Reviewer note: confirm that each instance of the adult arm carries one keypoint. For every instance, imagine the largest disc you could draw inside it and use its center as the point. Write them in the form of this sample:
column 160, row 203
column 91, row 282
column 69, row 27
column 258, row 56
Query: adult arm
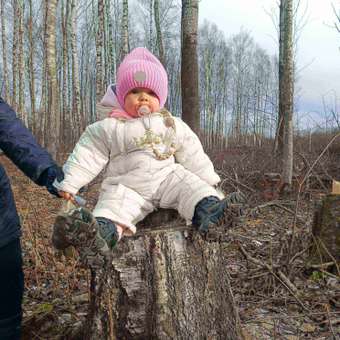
column 20, row 146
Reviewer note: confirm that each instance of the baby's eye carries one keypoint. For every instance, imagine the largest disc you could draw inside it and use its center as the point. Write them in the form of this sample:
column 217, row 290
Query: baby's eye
column 134, row 91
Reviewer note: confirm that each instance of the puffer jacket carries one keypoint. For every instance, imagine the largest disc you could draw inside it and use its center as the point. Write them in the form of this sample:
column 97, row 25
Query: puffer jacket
column 129, row 148
column 19, row 145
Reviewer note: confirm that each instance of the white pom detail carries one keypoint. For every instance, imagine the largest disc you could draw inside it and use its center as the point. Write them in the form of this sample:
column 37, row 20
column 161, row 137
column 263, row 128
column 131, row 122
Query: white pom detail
column 139, row 76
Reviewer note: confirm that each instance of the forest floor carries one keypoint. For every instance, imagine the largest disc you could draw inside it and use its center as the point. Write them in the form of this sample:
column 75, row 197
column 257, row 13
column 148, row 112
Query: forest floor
column 278, row 296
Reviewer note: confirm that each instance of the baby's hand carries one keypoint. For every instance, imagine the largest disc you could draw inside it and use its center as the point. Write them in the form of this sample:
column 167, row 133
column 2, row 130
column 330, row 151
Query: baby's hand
column 67, row 196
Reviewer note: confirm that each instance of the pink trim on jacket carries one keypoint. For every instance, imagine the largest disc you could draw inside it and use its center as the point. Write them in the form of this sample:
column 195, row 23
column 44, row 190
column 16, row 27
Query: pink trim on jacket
column 110, row 99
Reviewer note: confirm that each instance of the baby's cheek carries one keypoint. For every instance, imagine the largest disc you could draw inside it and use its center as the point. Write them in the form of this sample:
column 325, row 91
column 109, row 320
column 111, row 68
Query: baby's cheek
column 155, row 106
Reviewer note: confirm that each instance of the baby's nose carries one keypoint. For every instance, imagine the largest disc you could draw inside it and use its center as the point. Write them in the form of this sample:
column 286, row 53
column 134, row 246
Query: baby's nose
column 143, row 97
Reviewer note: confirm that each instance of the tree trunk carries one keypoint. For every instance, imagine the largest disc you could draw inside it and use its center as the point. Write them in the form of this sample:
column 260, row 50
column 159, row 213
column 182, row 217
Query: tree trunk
column 165, row 283
column 189, row 66
column 326, row 232
column 31, row 72
column 278, row 148
column 78, row 117
column 65, row 123
column 4, row 51
column 159, row 36
column 150, row 42
column 14, row 101
column 53, row 110
column 41, row 123
column 99, row 50
column 287, row 91
column 125, row 30
column 21, row 64
column 108, row 44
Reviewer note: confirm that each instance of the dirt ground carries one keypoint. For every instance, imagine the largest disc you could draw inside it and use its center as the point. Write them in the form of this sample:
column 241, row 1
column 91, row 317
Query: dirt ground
column 279, row 296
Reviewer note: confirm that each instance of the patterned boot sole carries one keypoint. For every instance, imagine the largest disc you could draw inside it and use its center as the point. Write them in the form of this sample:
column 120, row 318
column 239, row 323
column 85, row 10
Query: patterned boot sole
column 78, row 228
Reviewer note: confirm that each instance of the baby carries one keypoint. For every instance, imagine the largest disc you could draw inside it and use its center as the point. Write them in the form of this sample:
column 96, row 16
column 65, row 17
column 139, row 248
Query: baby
column 152, row 159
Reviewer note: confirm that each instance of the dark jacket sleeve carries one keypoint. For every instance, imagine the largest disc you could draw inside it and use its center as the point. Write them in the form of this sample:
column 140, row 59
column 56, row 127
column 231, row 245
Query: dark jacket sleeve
column 20, row 146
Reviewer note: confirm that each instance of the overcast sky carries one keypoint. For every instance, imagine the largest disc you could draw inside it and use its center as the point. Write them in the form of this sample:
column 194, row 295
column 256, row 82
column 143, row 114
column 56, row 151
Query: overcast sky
column 318, row 54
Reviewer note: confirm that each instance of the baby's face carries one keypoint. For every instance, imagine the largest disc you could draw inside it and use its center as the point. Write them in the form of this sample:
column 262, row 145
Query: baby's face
column 138, row 97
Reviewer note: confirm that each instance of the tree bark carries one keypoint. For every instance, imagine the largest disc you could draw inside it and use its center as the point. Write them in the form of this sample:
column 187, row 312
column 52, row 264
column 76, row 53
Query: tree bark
column 33, row 124
column 14, row 101
column 189, row 66
column 41, row 124
column 4, row 51
column 287, row 93
column 281, row 118
column 165, row 283
column 125, row 30
column 159, row 35
column 99, row 51
column 53, row 110
column 326, row 232
column 79, row 121
column 66, row 124
column 21, row 64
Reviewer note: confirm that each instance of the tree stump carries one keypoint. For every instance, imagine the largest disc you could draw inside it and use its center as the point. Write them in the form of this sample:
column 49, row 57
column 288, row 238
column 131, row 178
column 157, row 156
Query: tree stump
column 166, row 282
column 326, row 231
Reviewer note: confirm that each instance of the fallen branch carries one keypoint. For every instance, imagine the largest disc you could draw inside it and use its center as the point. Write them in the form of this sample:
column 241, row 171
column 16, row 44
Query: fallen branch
column 279, row 276
column 239, row 183
column 277, row 204
column 292, row 240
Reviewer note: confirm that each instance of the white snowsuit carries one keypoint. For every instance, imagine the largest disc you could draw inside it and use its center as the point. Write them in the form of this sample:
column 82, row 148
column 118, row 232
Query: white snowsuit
column 135, row 181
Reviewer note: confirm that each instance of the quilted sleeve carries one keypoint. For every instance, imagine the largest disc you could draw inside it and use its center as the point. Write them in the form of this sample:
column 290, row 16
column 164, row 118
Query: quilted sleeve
column 89, row 156
column 191, row 155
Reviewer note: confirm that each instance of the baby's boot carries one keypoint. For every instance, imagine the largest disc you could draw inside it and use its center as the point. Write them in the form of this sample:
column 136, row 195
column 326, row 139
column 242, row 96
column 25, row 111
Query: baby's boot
column 107, row 235
column 211, row 209
column 91, row 236
column 74, row 227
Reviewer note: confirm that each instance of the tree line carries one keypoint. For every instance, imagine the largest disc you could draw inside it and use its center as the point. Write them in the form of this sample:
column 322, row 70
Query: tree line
column 58, row 57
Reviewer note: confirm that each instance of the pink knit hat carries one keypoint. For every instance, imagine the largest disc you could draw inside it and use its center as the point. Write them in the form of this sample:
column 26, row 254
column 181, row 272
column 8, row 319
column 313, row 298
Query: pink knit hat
column 140, row 68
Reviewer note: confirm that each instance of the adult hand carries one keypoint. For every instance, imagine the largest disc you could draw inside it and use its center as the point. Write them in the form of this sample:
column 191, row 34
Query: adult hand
column 47, row 178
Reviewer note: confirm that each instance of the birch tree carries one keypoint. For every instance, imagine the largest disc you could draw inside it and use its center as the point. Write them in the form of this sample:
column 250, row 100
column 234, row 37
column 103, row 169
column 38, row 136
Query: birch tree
column 100, row 51
column 286, row 88
column 4, row 51
column 189, row 66
column 14, row 101
column 109, row 44
column 31, row 73
column 65, row 112
column 160, row 44
column 237, row 79
column 21, row 65
column 43, row 101
column 125, row 30
column 242, row 45
column 53, row 111
column 78, row 119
